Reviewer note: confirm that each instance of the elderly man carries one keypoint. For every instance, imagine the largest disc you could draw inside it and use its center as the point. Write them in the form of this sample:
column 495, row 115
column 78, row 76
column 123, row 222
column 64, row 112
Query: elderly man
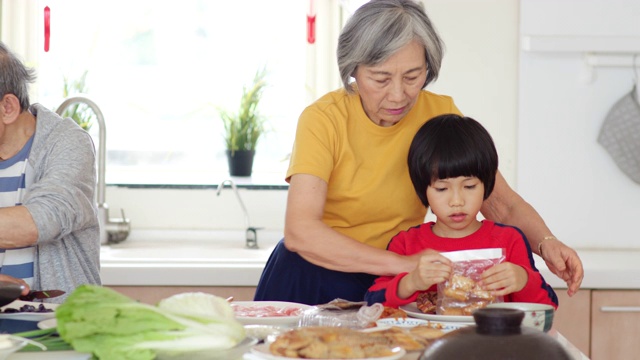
column 49, row 230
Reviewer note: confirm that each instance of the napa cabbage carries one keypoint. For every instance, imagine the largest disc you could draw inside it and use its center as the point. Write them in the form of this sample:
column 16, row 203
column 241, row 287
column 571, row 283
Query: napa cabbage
column 110, row 325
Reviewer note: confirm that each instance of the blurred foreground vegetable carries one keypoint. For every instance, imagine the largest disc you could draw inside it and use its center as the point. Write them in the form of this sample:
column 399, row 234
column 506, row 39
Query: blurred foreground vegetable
column 110, row 325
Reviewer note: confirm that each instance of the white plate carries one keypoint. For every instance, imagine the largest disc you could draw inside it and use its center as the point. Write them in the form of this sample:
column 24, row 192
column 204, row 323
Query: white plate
column 262, row 351
column 413, row 311
column 236, row 352
column 409, row 323
column 31, row 316
column 271, row 320
column 48, row 324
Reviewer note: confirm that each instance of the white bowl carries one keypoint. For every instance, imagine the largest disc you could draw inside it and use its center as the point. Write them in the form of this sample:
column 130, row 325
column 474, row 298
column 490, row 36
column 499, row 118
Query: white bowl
column 10, row 344
column 537, row 316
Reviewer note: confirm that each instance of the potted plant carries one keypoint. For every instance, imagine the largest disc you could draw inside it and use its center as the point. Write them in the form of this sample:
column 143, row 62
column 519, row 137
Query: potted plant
column 243, row 129
column 80, row 113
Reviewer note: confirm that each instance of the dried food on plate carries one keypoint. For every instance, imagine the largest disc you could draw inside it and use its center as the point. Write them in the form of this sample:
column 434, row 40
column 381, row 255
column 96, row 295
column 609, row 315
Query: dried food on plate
column 427, row 332
column 394, row 313
column 341, row 304
column 325, row 342
column 426, row 302
column 396, row 336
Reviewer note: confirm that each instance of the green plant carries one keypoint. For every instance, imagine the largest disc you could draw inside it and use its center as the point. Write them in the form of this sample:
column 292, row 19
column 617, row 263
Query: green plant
column 79, row 112
column 242, row 129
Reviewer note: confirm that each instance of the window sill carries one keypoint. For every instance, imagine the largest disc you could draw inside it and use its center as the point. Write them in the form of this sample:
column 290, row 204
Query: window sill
column 180, row 179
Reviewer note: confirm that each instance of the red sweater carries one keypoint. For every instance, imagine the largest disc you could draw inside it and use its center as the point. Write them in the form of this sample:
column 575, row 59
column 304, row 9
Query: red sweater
column 490, row 235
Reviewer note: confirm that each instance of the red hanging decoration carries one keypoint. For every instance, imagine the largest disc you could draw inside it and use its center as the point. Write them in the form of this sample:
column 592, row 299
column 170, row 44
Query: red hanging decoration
column 311, row 29
column 47, row 27
column 311, row 24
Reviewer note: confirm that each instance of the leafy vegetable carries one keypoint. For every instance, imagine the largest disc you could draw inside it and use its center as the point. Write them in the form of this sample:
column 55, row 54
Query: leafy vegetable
column 47, row 338
column 110, row 325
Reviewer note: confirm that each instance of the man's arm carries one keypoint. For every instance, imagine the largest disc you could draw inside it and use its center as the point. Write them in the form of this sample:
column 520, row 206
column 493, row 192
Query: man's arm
column 17, row 228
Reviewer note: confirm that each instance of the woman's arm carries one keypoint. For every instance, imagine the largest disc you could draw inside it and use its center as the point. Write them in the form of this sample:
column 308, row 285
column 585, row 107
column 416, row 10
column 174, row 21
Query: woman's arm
column 507, row 207
column 306, row 234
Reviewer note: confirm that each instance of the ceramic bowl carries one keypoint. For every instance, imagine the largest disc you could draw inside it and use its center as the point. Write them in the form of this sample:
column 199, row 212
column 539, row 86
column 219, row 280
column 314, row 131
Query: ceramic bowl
column 401, row 322
column 538, row 316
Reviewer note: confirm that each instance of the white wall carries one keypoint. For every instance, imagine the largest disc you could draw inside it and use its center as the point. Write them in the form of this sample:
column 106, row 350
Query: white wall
column 562, row 170
column 480, row 66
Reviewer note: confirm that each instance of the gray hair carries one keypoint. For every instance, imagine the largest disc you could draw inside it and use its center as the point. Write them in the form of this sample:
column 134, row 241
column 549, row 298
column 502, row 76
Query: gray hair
column 380, row 28
column 15, row 77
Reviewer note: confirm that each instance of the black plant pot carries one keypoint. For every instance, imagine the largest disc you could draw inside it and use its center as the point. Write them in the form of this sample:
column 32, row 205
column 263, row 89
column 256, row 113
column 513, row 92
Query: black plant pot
column 240, row 162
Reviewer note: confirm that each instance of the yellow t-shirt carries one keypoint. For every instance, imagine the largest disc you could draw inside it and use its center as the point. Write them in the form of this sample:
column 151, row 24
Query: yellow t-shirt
column 370, row 197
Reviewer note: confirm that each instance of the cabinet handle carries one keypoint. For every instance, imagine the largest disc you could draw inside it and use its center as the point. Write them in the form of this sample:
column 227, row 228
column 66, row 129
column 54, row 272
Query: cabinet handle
column 620, row 308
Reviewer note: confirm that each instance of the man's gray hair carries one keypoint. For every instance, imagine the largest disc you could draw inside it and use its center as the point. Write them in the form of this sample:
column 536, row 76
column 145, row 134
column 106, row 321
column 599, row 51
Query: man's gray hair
column 379, row 28
column 14, row 77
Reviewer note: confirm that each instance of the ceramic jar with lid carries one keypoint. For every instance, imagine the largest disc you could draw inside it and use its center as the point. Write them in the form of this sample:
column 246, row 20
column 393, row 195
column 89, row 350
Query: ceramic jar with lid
column 497, row 335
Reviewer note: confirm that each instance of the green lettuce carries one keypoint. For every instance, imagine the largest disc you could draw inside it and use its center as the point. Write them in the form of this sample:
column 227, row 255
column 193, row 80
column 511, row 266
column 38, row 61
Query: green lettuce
column 110, row 325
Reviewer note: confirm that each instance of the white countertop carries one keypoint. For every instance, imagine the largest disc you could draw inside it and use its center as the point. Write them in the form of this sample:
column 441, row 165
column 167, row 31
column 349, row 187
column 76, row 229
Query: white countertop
column 164, row 258
column 603, row 269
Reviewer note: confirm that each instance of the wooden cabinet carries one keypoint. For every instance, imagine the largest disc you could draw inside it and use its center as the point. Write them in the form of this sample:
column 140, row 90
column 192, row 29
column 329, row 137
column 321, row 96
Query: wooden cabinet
column 603, row 324
column 153, row 294
column 572, row 319
column 615, row 324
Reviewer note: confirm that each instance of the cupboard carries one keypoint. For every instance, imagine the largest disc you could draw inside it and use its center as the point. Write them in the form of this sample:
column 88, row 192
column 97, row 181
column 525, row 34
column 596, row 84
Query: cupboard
column 603, row 324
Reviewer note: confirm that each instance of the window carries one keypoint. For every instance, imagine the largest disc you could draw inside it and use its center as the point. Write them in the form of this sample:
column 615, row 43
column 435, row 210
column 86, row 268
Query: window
column 160, row 70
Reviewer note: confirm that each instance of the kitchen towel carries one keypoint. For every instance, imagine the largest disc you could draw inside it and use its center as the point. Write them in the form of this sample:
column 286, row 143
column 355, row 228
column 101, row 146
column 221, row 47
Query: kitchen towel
column 620, row 135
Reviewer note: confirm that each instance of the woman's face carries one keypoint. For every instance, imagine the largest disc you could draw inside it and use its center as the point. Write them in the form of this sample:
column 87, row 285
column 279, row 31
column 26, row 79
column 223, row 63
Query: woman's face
column 389, row 90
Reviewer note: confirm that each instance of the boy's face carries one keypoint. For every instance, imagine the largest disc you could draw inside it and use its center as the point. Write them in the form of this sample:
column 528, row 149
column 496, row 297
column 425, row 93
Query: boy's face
column 456, row 202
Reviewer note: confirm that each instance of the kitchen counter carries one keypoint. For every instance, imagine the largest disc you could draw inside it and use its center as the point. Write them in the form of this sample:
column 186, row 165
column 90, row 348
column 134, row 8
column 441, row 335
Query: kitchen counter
column 219, row 258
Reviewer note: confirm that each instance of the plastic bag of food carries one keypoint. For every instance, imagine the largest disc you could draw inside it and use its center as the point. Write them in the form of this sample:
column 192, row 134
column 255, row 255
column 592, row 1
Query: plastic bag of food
column 342, row 313
column 461, row 295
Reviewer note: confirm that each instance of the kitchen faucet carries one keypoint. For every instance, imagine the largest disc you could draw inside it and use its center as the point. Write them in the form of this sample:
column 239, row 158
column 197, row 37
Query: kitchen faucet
column 112, row 230
column 251, row 240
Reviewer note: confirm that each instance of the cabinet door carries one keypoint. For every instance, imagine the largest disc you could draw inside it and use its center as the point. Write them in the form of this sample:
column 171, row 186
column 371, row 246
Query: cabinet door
column 615, row 317
column 572, row 319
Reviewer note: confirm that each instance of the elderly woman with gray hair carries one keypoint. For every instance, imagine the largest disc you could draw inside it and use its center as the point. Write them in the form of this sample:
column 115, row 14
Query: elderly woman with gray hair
column 350, row 190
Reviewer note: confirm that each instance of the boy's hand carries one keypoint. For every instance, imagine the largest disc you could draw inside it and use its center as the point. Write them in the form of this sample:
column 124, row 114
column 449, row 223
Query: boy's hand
column 504, row 279
column 432, row 268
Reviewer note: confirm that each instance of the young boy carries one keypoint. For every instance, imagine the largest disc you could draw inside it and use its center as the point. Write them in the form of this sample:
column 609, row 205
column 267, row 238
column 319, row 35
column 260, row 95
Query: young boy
column 453, row 164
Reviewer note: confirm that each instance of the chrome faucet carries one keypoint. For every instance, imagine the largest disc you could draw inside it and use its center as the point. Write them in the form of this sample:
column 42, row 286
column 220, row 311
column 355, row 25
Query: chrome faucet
column 112, row 230
column 251, row 240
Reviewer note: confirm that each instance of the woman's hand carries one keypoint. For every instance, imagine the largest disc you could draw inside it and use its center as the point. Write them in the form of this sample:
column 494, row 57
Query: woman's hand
column 11, row 279
column 432, row 268
column 564, row 262
column 503, row 279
